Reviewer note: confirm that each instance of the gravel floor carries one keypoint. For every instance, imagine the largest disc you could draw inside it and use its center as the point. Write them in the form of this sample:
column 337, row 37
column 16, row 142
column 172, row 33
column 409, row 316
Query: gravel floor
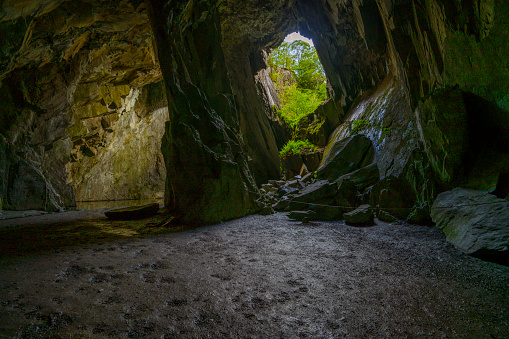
column 258, row 277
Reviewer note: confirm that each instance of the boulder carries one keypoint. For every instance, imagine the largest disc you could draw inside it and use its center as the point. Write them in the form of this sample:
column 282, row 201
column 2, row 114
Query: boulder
column 300, row 215
column 308, row 178
column 326, row 212
column 296, row 183
column 346, row 194
column 319, row 191
column 474, row 221
column 277, row 183
column 282, row 204
column 345, row 156
column 312, row 160
column 284, row 190
column 394, row 199
column 268, row 188
column 363, row 215
column 267, row 210
column 363, row 177
column 292, row 164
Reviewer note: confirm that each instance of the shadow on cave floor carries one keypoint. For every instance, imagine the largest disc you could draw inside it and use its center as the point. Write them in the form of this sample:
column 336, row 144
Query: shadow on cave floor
column 50, row 232
column 257, row 277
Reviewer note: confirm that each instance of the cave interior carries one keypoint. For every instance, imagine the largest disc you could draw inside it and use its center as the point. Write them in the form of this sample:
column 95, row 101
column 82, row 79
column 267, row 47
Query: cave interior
column 172, row 100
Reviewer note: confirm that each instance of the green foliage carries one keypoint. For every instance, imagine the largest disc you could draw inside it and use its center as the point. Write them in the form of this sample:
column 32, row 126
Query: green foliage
column 297, row 147
column 302, row 59
column 298, row 103
column 359, row 124
column 301, row 97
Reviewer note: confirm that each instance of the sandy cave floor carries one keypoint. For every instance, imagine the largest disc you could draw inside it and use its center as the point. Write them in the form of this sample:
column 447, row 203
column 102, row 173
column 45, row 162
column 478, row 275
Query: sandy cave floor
column 259, row 277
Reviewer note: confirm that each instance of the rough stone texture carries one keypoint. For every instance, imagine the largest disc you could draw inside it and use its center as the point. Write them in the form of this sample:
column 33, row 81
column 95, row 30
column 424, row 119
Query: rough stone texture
column 328, row 213
column 130, row 164
column 385, row 60
column 474, row 221
column 346, row 195
column 301, row 215
column 385, row 117
column 394, row 198
column 209, row 178
column 363, row 177
column 316, row 192
column 266, row 90
column 52, row 50
column 361, row 216
column 345, row 156
column 443, row 129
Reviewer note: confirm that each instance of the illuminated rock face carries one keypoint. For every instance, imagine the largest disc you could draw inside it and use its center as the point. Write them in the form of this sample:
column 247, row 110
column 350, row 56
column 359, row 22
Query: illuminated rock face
column 68, row 69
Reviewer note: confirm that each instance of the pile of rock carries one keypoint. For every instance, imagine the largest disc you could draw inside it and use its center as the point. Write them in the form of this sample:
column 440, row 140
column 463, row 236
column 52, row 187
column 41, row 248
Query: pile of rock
column 343, row 187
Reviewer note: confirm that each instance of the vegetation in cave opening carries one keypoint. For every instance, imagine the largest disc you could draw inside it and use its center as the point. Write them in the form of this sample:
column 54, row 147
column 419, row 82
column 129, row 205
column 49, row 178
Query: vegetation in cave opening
column 300, row 82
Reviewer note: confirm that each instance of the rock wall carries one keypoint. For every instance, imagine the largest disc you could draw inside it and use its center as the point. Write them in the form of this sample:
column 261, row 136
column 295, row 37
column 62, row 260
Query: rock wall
column 126, row 161
column 432, row 120
column 65, row 66
column 409, row 69
column 209, row 178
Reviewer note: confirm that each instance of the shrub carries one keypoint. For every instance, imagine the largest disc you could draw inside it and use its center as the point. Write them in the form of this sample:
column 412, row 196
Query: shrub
column 297, row 147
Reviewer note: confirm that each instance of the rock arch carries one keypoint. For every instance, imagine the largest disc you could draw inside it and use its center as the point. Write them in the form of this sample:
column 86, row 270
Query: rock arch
column 386, row 60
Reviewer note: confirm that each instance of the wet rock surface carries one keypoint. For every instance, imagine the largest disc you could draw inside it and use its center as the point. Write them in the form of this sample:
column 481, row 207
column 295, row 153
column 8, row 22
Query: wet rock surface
column 258, row 277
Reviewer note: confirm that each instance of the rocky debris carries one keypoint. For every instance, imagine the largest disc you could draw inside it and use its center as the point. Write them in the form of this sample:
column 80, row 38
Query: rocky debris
column 282, row 204
column 301, row 215
column 277, row 183
column 316, row 192
column 312, row 160
column 345, row 156
column 326, row 212
column 301, row 164
column 362, row 216
column 347, row 194
column 474, row 221
column 296, row 183
column 267, row 210
column 268, row 188
column 363, row 177
column 285, row 190
column 393, row 198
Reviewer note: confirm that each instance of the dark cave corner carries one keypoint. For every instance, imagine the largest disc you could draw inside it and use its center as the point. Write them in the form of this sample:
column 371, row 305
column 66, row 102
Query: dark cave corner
column 145, row 99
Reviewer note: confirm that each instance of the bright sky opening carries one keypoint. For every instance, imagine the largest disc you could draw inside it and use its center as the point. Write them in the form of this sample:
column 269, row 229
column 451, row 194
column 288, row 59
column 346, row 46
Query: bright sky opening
column 296, row 36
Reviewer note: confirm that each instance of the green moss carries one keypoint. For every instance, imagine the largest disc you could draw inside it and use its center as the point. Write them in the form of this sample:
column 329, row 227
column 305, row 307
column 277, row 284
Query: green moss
column 358, row 125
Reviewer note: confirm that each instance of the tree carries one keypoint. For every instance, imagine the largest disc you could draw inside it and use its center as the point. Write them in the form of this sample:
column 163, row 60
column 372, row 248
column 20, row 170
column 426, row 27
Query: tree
column 301, row 97
column 302, row 59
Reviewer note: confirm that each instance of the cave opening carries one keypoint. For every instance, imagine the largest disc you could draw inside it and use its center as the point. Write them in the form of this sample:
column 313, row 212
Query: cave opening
column 301, row 86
